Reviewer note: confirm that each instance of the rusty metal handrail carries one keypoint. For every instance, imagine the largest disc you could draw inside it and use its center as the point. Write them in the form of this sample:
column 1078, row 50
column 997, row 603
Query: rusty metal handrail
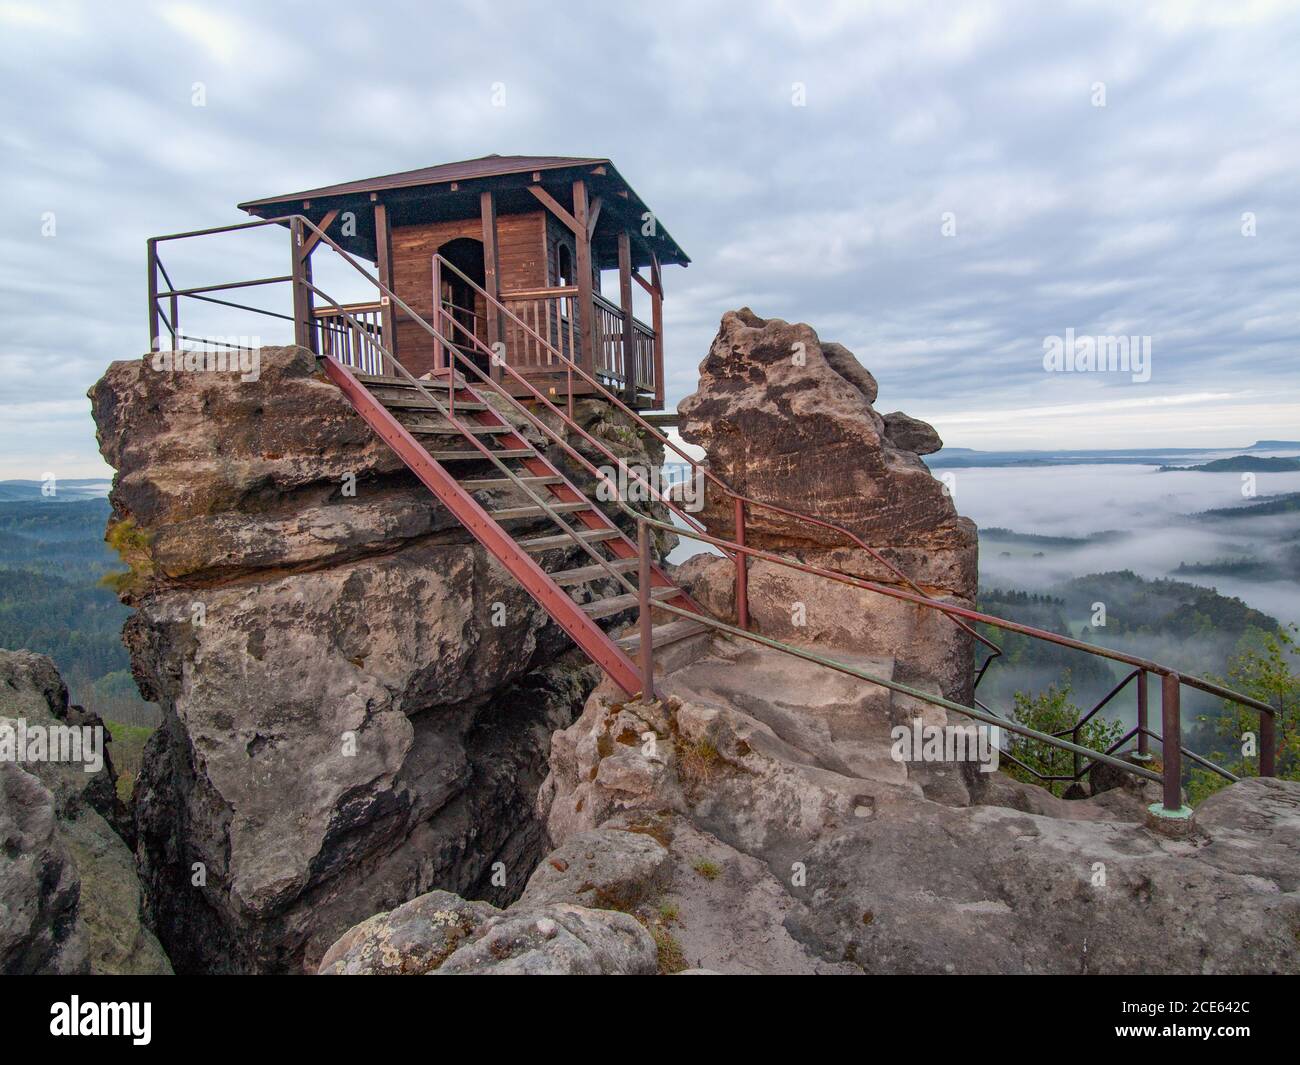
column 1171, row 680
column 1169, row 778
column 739, row 500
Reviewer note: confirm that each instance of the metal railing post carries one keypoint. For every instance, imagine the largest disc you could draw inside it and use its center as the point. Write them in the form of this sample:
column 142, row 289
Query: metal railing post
column 645, row 623
column 742, row 568
column 154, row 339
column 1268, row 742
column 1171, row 739
column 1144, row 739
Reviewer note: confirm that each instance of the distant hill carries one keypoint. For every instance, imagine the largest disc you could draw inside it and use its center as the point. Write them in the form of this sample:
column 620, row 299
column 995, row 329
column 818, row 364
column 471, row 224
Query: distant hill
column 64, row 491
column 961, row 457
column 1280, row 504
column 1239, row 464
column 52, row 558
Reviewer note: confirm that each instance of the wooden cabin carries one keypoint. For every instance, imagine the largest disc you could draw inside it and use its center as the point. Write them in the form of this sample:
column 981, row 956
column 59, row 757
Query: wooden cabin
column 536, row 232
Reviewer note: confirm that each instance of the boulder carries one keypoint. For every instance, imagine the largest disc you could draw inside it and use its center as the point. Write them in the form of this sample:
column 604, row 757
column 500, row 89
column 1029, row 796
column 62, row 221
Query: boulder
column 911, row 434
column 442, row 934
column 788, row 420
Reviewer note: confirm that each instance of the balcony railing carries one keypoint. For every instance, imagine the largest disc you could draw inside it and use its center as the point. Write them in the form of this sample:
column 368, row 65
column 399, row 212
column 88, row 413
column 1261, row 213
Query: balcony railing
column 353, row 334
column 552, row 313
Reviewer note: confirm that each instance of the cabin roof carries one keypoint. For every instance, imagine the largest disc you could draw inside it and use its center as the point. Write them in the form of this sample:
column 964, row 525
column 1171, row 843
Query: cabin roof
column 618, row 196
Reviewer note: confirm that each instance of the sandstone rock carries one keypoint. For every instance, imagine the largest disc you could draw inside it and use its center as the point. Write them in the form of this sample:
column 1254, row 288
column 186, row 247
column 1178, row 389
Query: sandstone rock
column 442, row 934
column 604, row 869
column 556, row 940
column 863, row 871
column 40, row 888
column 87, row 862
column 346, row 722
column 788, row 420
column 911, row 434
column 411, row 940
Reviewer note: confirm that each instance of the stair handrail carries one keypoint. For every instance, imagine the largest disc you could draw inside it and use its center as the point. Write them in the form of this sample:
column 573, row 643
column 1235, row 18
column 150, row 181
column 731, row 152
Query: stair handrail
column 919, row 597
column 1172, row 680
column 981, row 711
column 447, row 412
column 695, row 464
column 1170, row 775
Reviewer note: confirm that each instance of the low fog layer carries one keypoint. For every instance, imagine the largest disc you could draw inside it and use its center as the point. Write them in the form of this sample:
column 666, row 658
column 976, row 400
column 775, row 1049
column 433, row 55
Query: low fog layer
column 1154, row 508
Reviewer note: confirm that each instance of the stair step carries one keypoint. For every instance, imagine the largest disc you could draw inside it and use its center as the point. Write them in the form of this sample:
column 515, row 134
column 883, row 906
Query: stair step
column 415, row 401
column 446, row 429
column 534, row 511
column 420, row 403
column 484, row 484
column 550, row 543
column 616, row 604
column 373, row 381
column 595, row 571
column 506, row 453
column 664, row 635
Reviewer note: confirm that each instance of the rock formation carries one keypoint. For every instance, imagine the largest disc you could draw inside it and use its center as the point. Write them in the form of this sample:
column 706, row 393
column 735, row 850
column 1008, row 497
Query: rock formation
column 360, row 772
column 70, row 900
column 824, row 851
column 788, row 419
column 357, row 699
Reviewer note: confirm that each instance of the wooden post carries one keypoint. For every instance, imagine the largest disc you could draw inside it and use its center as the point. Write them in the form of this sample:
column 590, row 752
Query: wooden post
column 657, row 321
column 625, row 302
column 586, row 308
column 384, row 263
column 439, row 353
column 154, row 339
column 488, row 209
column 301, row 273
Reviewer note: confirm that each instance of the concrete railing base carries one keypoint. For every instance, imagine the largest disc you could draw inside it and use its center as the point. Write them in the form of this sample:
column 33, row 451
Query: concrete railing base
column 1177, row 824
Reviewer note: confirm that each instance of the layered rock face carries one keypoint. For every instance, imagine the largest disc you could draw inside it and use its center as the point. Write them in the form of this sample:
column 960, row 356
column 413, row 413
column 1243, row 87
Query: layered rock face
column 357, row 699
column 788, row 419
column 70, row 900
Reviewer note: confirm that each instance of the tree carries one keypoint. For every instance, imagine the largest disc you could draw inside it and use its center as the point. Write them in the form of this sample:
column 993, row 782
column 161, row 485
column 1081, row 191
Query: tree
column 1265, row 668
column 1051, row 711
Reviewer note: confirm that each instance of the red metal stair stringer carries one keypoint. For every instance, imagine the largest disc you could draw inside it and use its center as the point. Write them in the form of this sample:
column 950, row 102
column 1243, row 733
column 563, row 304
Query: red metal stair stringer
column 584, row 631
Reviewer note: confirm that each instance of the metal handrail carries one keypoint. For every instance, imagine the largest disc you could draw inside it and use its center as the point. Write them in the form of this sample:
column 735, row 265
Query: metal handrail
column 736, row 496
column 978, row 712
column 1171, row 679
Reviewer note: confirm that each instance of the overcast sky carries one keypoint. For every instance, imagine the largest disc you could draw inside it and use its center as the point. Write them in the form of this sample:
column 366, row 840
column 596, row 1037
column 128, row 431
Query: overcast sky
column 805, row 155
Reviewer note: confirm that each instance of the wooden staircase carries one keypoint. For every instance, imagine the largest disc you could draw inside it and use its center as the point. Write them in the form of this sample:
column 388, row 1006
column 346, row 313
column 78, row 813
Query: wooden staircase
column 487, row 473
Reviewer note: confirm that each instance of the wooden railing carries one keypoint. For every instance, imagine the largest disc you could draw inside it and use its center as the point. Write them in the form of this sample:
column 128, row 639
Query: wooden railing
column 352, row 334
column 553, row 335
column 551, row 313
